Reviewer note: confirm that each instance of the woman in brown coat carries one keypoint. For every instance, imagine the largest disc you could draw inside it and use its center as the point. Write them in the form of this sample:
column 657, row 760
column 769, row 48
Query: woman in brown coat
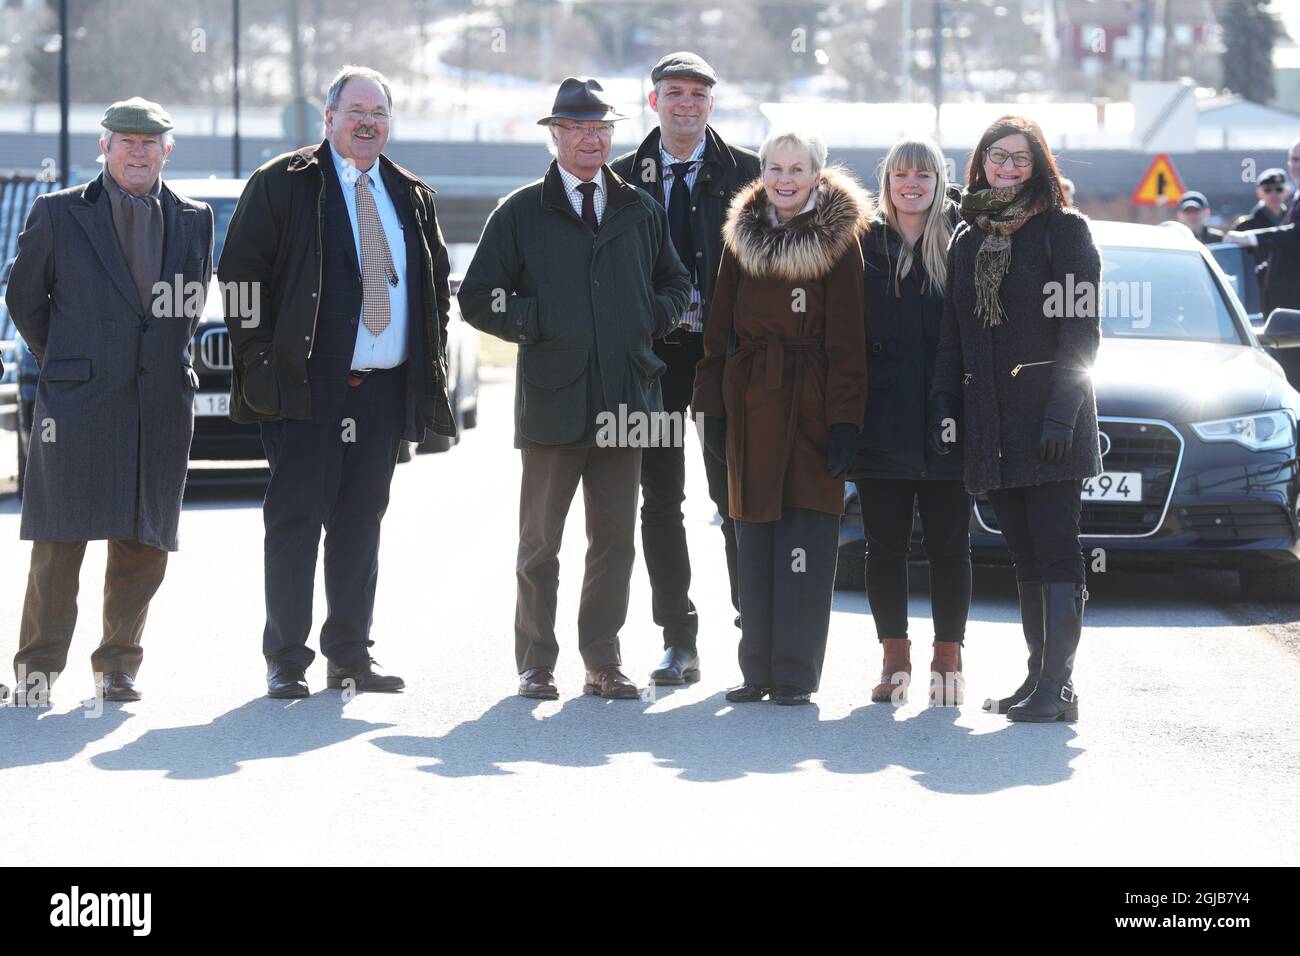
column 781, row 389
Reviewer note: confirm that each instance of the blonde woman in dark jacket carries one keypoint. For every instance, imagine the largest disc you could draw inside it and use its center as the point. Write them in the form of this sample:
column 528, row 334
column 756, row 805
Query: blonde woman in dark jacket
column 905, row 253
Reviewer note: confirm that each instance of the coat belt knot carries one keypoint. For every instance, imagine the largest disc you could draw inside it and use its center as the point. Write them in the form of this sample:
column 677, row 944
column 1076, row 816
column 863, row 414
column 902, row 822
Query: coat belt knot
column 776, row 347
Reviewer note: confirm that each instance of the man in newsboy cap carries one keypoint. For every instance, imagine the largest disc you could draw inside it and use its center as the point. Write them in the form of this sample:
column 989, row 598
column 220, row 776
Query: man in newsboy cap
column 115, row 402
column 577, row 269
column 685, row 166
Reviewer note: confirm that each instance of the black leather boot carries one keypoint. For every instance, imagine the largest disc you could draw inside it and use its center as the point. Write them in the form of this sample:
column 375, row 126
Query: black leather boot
column 1054, row 698
column 1031, row 620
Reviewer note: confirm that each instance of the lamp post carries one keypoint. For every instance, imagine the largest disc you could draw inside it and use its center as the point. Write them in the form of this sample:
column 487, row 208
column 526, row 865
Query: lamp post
column 235, row 85
column 64, row 151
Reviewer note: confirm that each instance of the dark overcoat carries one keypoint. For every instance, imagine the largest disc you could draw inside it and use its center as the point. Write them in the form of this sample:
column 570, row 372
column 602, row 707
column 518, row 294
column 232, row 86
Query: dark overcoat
column 114, row 411
column 583, row 307
column 1003, row 377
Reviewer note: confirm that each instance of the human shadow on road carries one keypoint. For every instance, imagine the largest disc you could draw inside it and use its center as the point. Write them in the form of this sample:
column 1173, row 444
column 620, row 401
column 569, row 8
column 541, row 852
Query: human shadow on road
column 259, row 730
column 30, row 736
column 711, row 740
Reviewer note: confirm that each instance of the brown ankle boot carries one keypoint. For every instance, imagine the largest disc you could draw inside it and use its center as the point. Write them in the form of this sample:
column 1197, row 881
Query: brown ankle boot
column 947, row 685
column 895, row 674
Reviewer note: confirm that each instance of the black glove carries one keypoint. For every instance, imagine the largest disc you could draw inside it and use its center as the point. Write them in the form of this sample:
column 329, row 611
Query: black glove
column 939, row 415
column 843, row 446
column 1054, row 445
column 715, row 436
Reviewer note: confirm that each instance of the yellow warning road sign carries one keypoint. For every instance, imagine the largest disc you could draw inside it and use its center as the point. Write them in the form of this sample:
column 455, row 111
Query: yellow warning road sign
column 1160, row 184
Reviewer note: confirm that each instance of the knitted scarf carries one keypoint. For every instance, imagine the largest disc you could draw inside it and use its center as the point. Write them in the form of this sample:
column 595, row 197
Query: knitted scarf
column 999, row 212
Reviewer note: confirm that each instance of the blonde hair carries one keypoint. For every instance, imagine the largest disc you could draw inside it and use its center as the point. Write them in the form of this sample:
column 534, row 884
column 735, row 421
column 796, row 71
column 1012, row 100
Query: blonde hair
column 793, row 137
column 924, row 154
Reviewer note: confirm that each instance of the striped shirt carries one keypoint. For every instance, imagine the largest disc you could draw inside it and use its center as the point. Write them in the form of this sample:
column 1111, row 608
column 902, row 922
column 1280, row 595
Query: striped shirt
column 693, row 317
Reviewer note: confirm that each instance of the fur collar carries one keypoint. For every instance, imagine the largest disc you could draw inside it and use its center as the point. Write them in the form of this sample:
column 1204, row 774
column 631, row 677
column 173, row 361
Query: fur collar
column 808, row 246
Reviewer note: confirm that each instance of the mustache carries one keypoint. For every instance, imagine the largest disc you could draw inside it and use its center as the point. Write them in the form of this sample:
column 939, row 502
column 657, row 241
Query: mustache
column 373, row 130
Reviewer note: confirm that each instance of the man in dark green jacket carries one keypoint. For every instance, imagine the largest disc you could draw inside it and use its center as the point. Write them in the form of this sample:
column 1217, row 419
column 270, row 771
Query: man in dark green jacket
column 578, row 269
column 711, row 173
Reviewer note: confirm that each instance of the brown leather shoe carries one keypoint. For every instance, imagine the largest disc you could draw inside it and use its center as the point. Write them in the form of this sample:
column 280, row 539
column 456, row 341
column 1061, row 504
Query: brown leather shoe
column 539, row 684
column 895, row 673
column 947, row 685
column 609, row 681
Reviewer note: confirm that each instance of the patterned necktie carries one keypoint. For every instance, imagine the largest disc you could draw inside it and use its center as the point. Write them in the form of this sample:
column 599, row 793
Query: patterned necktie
column 377, row 272
column 588, row 191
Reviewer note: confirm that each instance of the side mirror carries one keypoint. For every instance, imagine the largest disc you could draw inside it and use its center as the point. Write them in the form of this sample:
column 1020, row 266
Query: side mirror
column 1282, row 330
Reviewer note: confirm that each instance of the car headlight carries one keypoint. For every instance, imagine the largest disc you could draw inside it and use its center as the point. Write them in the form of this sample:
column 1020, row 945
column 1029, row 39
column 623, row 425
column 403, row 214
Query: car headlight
column 1264, row 431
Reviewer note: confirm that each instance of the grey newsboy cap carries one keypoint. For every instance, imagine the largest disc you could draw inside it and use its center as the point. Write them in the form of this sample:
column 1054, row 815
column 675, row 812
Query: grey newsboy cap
column 686, row 64
column 136, row 115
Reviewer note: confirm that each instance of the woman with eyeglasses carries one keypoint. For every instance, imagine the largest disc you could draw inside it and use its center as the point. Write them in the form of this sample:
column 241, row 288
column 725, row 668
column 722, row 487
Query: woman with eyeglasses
column 905, row 253
column 1012, row 389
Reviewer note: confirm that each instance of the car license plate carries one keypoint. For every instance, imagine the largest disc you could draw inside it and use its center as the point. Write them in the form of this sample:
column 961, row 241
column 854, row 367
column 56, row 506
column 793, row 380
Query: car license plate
column 1118, row 486
column 212, row 403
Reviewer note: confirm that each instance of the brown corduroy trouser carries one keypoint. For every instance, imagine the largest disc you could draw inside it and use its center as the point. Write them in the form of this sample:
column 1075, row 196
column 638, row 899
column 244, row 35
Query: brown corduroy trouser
column 611, row 481
column 134, row 573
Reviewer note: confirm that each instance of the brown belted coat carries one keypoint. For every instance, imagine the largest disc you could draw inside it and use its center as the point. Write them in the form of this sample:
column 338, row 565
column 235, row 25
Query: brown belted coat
column 785, row 348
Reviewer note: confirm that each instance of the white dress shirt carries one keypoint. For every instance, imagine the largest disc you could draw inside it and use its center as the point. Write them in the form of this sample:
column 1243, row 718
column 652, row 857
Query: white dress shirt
column 388, row 348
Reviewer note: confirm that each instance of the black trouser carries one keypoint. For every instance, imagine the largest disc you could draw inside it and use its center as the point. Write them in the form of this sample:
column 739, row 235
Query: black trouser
column 787, row 581
column 945, row 526
column 1041, row 527
column 331, row 475
column 663, row 489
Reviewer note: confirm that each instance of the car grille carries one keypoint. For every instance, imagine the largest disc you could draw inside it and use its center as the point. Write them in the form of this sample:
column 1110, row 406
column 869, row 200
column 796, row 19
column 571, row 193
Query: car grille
column 1236, row 522
column 1151, row 447
column 214, row 350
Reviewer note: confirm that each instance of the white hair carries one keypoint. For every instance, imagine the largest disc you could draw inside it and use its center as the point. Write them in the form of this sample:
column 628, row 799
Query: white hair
column 353, row 72
column 792, row 137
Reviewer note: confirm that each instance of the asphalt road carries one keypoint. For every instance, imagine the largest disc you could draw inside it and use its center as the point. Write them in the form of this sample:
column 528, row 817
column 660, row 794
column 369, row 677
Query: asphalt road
column 1186, row 752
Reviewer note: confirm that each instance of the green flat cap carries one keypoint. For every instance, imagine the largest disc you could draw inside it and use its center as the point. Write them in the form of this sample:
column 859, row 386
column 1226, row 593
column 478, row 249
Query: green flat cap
column 136, row 115
column 683, row 63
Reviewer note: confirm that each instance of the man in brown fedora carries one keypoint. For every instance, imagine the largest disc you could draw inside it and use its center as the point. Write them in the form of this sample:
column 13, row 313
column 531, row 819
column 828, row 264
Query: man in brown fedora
column 92, row 291
column 578, row 269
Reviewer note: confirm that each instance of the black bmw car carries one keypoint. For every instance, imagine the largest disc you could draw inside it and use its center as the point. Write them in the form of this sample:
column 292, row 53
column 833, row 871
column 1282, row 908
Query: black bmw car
column 1198, row 426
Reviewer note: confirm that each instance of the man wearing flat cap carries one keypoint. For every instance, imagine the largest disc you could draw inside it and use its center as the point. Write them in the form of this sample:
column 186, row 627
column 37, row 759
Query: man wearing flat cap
column 578, row 269
column 350, row 359
column 685, row 166
column 1193, row 212
column 92, row 291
